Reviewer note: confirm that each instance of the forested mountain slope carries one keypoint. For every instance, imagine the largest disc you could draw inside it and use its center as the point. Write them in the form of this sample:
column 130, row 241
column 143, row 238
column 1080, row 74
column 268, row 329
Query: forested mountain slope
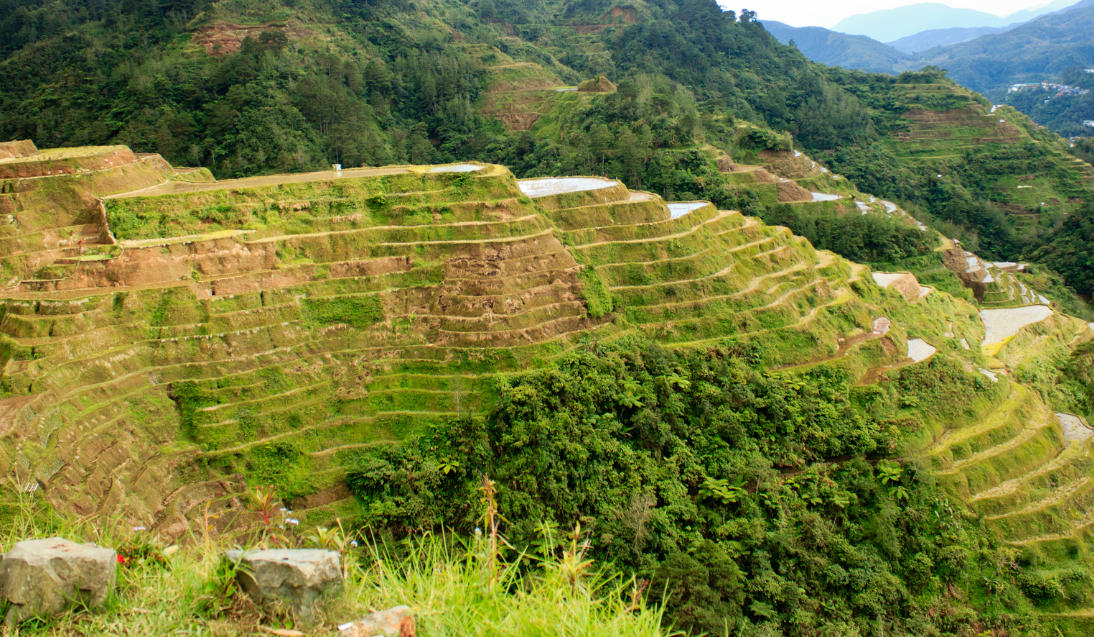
column 932, row 38
column 161, row 80
column 990, row 171
column 1052, row 48
column 832, row 48
column 375, row 84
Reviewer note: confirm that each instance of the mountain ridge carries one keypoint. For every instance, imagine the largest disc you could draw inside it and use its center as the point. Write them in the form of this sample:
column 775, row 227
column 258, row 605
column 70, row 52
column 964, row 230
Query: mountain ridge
column 890, row 25
column 829, row 47
column 932, row 38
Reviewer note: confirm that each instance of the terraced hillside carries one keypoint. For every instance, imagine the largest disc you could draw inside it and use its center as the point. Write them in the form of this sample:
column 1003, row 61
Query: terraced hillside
column 518, row 93
column 947, row 134
column 1026, row 472
column 274, row 329
column 1026, row 182
column 1004, row 183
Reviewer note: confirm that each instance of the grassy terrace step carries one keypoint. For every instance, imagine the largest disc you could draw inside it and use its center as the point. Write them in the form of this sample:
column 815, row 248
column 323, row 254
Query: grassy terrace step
column 1073, row 463
column 1042, row 500
column 649, row 252
column 713, row 322
column 1059, row 515
column 407, row 199
column 90, row 370
column 638, row 208
column 471, row 231
column 730, row 296
column 672, row 271
column 811, row 340
column 1017, row 439
column 680, row 227
column 1004, row 423
column 664, row 229
column 1033, row 447
column 66, row 161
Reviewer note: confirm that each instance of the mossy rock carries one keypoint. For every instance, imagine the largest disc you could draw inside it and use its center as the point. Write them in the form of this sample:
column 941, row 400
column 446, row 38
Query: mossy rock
column 597, row 85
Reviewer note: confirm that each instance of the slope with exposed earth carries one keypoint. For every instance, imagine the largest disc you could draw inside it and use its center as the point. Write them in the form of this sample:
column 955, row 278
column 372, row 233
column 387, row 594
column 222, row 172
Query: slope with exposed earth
column 276, row 328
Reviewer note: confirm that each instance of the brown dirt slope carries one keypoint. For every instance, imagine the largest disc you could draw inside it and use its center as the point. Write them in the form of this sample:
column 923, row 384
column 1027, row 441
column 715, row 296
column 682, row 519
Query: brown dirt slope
column 15, row 149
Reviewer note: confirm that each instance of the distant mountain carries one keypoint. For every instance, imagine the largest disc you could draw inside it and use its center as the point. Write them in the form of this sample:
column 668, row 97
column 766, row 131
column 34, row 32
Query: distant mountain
column 888, row 25
column 1037, row 50
column 1056, row 6
column 1032, row 52
column 856, row 52
column 941, row 37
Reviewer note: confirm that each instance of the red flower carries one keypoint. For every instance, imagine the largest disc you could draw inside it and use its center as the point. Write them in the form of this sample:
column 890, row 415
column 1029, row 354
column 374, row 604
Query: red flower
column 121, row 560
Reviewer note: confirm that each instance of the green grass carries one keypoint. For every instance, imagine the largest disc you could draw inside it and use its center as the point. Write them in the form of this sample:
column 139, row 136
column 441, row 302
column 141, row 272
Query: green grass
column 456, row 587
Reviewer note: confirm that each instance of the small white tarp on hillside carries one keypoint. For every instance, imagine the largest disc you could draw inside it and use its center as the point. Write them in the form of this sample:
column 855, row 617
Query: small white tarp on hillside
column 681, row 209
column 456, row 168
column 920, row 350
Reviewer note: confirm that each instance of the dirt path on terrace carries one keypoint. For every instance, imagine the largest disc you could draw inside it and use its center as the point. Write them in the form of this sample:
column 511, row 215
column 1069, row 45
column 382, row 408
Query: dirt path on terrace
column 722, row 214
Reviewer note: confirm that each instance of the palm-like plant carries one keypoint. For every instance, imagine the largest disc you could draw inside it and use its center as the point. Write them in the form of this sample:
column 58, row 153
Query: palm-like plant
column 722, row 490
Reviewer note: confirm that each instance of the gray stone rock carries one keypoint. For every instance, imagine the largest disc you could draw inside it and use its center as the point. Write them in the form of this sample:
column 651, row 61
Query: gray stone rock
column 293, row 578
column 394, row 622
column 44, row 577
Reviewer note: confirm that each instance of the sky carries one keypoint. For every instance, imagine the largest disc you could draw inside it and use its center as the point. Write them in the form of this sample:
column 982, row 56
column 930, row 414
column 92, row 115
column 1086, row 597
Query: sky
column 811, row 13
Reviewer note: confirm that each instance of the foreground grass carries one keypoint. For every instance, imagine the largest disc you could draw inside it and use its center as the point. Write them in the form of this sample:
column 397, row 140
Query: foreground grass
column 455, row 588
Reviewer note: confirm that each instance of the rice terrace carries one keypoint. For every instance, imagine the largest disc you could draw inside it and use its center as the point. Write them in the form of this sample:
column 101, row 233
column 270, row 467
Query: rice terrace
column 497, row 318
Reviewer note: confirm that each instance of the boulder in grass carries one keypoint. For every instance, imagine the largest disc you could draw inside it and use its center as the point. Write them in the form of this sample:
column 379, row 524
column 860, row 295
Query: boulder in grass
column 394, row 622
column 40, row 578
column 599, row 84
column 291, row 578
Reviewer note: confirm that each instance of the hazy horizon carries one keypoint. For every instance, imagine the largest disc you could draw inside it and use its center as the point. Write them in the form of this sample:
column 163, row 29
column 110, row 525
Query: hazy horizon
column 802, row 13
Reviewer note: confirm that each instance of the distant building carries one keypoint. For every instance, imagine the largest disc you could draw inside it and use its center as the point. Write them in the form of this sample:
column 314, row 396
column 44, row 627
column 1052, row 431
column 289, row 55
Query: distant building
column 1061, row 89
column 1088, row 122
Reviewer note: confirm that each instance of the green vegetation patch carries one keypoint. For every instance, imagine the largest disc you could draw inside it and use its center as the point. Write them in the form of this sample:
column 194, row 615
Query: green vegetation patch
column 355, row 311
column 708, row 475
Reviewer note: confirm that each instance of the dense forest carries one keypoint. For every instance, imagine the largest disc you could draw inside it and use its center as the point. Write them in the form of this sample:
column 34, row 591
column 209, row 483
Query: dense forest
column 394, row 90
column 775, row 510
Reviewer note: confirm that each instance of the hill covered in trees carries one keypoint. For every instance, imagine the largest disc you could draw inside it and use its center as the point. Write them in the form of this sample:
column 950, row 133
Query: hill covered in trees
column 404, row 77
column 832, row 48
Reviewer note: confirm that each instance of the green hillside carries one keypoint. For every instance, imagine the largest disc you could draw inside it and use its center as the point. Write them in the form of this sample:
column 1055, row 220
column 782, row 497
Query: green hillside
column 332, row 334
column 203, row 336
column 1051, row 48
column 986, row 175
column 833, row 48
column 1037, row 51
